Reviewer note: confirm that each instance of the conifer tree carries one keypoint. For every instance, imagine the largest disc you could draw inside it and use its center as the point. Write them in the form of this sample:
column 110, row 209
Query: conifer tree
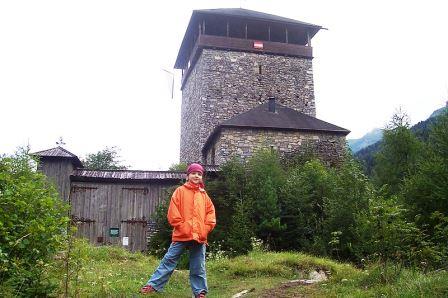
column 398, row 155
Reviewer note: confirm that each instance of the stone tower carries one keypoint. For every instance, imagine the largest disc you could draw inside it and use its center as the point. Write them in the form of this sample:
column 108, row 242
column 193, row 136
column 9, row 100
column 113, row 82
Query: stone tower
column 232, row 61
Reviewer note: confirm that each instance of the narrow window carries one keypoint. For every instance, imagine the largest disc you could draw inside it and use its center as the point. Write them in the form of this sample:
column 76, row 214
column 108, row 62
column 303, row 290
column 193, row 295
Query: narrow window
column 213, row 156
column 259, row 68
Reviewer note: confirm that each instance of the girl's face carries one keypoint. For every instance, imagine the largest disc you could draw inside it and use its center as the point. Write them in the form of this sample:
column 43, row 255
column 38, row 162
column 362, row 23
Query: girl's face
column 195, row 177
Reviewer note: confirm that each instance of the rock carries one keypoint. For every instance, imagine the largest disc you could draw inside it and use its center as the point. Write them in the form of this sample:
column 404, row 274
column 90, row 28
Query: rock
column 318, row 275
column 242, row 293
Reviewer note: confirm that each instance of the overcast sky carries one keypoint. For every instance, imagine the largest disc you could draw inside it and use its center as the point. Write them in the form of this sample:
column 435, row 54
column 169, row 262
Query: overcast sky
column 92, row 72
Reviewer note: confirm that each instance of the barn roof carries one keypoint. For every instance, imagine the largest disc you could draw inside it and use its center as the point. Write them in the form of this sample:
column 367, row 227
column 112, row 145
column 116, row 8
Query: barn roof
column 128, row 175
column 86, row 174
column 59, row 152
column 283, row 118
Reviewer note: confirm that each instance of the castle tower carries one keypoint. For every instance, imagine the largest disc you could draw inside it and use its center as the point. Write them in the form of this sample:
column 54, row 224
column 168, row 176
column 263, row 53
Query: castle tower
column 232, row 61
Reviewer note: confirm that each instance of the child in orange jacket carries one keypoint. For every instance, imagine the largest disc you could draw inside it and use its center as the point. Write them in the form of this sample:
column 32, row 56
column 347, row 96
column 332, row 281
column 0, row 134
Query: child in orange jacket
column 192, row 215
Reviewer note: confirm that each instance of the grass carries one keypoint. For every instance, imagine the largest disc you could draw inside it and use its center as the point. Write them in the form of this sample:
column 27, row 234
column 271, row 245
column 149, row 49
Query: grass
column 114, row 272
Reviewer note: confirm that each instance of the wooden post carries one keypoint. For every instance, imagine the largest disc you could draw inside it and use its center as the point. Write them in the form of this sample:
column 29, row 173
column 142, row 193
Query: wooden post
column 203, row 26
column 246, row 31
column 269, row 32
column 308, row 38
column 286, row 32
column 227, row 28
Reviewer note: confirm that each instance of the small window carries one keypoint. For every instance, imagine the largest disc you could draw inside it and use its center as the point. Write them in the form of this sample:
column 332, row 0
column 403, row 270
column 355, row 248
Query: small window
column 259, row 68
column 212, row 157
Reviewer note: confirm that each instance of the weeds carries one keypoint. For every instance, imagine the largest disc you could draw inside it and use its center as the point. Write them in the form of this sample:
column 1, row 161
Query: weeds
column 114, row 272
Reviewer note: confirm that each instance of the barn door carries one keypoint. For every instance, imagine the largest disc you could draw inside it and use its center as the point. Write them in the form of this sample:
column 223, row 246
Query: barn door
column 134, row 223
column 84, row 202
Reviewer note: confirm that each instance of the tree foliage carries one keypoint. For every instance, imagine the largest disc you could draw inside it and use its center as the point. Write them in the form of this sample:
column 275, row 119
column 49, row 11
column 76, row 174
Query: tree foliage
column 180, row 167
column 426, row 191
column 108, row 158
column 33, row 225
column 299, row 203
column 398, row 155
column 265, row 179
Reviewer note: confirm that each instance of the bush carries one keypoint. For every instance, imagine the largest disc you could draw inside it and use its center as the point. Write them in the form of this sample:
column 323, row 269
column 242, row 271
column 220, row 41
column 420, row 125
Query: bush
column 303, row 201
column 228, row 193
column 265, row 180
column 33, row 225
column 161, row 239
column 386, row 235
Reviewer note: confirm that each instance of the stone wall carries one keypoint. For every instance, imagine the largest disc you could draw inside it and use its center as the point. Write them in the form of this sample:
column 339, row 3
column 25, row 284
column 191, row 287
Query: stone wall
column 223, row 84
column 242, row 143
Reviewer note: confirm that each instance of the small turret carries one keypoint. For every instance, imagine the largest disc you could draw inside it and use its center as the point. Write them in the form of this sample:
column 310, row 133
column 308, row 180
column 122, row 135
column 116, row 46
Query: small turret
column 58, row 164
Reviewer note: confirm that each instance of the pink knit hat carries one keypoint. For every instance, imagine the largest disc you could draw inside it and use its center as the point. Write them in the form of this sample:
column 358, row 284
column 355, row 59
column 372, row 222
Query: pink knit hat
column 195, row 167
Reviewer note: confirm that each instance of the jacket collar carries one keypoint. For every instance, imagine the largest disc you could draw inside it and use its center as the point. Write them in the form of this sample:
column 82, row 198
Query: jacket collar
column 193, row 186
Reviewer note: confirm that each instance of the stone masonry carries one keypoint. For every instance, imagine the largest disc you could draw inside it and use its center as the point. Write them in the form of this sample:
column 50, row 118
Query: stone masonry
column 242, row 143
column 224, row 83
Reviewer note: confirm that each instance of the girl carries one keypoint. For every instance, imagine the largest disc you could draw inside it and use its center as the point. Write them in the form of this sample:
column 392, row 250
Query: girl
column 192, row 215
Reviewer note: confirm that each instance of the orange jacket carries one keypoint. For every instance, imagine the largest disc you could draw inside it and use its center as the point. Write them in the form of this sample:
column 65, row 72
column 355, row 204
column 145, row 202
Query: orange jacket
column 191, row 213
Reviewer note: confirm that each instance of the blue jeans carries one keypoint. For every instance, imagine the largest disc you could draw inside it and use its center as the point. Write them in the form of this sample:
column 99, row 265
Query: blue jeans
column 198, row 278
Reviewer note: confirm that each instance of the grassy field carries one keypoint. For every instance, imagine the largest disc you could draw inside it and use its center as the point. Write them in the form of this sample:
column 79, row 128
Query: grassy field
column 114, row 272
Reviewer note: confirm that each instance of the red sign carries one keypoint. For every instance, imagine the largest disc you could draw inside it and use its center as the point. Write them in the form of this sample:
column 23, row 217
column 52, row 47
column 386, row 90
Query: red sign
column 258, row 45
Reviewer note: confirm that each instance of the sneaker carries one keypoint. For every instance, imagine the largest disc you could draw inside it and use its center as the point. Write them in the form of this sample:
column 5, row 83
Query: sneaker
column 201, row 295
column 148, row 289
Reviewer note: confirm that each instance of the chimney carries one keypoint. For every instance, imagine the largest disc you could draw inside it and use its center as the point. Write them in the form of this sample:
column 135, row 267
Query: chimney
column 271, row 104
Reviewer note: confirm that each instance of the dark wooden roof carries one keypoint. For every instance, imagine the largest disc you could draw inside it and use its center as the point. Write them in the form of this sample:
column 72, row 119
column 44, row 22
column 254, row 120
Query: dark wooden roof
column 131, row 175
column 232, row 13
column 252, row 14
column 58, row 152
column 87, row 175
column 284, row 118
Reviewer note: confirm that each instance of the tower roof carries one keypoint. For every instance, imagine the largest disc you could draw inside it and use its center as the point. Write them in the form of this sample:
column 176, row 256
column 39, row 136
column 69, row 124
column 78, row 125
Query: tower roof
column 283, row 118
column 252, row 14
column 59, row 152
column 241, row 14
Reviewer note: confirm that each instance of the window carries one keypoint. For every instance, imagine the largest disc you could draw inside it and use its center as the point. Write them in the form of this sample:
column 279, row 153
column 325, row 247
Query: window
column 212, row 157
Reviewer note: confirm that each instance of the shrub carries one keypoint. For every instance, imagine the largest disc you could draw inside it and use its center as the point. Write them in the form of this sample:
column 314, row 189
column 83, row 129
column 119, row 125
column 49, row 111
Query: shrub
column 265, row 180
column 33, row 225
column 387, row 236
column 160, row 241
column 303, row 202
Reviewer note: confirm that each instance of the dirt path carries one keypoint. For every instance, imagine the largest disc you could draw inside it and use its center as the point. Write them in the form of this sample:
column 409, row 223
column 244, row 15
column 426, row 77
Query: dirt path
column 286, row 290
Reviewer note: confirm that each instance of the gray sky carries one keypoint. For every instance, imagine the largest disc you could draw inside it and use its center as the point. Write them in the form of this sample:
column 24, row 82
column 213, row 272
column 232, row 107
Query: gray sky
column 92, row 71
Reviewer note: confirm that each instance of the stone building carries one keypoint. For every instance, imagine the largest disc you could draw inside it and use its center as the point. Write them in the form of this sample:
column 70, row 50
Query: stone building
column 233, row 61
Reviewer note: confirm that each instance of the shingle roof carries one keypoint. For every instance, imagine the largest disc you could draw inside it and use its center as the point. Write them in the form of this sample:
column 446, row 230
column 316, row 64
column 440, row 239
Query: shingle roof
column 86, row 174
column 283, row 118
column 59, row 152
column 134, row 175
column 252, row 14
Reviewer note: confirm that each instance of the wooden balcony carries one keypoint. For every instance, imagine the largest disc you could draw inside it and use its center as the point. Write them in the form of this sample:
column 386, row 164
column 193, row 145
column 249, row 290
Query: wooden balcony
column 244, row 45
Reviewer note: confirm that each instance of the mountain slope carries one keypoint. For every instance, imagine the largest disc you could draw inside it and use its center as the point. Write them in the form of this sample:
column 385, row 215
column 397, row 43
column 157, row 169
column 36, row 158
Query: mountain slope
column 368, row 139
column 421, row 130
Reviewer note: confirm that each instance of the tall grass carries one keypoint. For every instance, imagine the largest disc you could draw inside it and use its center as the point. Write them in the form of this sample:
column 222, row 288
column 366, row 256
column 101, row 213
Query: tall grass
column 114, row 272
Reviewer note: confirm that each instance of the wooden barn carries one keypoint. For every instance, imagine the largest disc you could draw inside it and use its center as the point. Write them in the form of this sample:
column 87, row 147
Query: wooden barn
column 108, row 206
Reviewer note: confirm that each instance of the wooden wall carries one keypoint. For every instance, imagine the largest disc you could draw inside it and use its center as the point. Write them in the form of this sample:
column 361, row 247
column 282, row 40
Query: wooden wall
column 96, row 207
column 58, row 171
